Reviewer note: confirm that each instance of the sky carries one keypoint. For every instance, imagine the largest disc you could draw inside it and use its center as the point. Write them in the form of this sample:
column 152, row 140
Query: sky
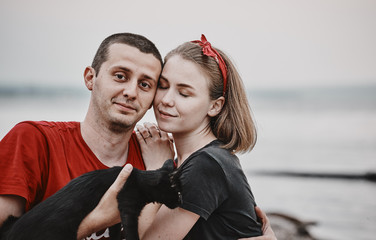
column 274, row 43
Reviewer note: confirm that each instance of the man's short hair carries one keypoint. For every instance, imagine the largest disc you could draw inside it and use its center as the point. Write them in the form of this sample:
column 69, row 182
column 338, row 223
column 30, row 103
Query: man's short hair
column 140, row 42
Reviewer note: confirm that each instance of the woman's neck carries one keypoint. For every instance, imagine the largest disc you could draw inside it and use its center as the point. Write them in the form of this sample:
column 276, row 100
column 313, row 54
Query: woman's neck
column 186, row 144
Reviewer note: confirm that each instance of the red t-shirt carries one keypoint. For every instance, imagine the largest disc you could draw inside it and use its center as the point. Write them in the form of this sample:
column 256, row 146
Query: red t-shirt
column 39, row 158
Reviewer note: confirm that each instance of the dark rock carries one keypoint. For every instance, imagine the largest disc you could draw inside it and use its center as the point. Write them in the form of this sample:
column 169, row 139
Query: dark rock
column 287, row 227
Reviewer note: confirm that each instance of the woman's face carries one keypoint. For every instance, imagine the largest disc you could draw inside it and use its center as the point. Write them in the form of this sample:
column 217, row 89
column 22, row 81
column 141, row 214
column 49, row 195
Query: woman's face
column 182, row 101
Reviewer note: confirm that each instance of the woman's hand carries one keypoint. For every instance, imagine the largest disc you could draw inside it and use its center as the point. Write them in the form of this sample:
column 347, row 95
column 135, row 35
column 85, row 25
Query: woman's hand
column 156, row 145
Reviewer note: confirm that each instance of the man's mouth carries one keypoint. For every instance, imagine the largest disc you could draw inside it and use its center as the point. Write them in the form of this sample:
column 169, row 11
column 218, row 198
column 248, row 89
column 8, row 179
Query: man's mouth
column 125, row 107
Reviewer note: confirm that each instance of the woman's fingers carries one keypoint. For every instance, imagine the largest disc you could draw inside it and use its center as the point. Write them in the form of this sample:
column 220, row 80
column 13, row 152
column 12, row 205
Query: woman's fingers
column 153, row 129
column 143, row 132
column 148, row 130
column 156, row 145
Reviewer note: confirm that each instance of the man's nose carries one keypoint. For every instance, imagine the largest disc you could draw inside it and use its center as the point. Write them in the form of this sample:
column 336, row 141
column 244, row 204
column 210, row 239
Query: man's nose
column 130, row 89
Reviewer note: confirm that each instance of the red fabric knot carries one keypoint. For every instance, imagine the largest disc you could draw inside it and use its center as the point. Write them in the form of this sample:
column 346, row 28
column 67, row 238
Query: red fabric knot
column 211, row 52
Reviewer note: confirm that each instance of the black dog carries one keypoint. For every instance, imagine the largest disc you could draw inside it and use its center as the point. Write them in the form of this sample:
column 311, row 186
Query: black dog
column 59, row 216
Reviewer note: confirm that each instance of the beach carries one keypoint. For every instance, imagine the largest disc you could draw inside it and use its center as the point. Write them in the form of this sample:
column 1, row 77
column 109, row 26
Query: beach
column 320, row 130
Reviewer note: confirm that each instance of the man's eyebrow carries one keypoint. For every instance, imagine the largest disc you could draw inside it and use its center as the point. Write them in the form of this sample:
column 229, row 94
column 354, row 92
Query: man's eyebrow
column 145, row 76
column 149, row 78
column 123, row 68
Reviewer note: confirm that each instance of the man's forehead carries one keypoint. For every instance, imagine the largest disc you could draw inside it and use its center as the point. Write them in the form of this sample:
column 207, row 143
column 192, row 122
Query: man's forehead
column 132, row 58
column 123, row 48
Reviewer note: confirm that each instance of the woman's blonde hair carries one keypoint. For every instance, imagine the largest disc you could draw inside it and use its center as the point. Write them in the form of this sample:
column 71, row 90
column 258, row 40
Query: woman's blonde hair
column 234, row 125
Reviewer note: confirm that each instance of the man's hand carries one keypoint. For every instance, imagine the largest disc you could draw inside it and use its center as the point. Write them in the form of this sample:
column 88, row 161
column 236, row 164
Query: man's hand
column 267, row 231
column 106, row 213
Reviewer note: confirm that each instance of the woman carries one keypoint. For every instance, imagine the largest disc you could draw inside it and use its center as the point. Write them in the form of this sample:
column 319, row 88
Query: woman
column 201, row 101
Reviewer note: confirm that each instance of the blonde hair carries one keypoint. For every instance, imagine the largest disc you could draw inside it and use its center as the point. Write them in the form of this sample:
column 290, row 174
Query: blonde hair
column 234, row 125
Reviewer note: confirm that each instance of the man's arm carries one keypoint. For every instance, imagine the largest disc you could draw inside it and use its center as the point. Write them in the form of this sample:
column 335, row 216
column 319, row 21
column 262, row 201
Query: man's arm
column 106, row 213
column 11, row 205
column 267, row 231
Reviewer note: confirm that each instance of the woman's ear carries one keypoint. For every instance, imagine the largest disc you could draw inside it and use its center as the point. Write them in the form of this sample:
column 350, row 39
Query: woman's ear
column 216, row 106
column 89, row 75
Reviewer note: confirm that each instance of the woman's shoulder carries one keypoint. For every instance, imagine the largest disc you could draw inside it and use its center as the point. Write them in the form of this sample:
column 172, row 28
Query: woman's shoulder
column 215, row 152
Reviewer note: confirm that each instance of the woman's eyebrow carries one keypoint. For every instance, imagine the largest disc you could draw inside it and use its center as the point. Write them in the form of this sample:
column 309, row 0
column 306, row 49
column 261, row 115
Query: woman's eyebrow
column 164, row 78
column 181, row 85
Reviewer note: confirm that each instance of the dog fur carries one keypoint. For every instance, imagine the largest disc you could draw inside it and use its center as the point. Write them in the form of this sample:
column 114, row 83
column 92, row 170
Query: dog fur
column 59, row 216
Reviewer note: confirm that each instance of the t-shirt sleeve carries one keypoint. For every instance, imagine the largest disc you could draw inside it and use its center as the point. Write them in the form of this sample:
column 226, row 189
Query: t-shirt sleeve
column 22, row 160
column 204, row 186
column 134, row 153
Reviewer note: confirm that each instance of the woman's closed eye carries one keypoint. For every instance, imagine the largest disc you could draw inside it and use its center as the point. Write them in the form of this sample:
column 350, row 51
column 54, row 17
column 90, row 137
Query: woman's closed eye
column 184, row 93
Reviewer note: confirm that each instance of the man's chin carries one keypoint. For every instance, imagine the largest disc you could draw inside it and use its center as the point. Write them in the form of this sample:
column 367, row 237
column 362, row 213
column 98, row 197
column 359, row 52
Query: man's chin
column 119, row 126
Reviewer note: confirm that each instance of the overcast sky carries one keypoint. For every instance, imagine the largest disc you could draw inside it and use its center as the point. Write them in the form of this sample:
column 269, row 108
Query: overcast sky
column 274, row 43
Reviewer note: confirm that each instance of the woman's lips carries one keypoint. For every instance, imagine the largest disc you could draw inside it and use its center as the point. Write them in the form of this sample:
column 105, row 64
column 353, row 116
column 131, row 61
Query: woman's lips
column 166, row 114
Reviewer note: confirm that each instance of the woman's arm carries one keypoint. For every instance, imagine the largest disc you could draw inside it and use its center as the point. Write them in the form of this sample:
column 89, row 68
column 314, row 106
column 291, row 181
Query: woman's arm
column 171, row 224
column 147, row 217
column 11, row 205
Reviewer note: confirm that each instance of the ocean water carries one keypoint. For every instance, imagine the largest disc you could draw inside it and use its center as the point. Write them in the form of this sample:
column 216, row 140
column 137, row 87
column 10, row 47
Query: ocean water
column 319, row 130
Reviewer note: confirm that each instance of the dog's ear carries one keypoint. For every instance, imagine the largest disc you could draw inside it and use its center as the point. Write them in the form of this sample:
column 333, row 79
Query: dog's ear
column 7, row 225
column 168, row 165
column 156, row 177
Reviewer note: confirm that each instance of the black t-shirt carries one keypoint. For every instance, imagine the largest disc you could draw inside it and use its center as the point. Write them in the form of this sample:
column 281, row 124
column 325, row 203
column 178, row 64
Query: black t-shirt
column 214, row 186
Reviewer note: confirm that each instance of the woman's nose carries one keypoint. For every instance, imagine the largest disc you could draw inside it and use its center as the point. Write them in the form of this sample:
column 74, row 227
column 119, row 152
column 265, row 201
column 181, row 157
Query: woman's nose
column 168, row 98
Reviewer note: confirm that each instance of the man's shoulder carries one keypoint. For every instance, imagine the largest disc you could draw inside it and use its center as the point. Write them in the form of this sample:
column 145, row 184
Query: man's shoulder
column 45, row 128
column 49, row 125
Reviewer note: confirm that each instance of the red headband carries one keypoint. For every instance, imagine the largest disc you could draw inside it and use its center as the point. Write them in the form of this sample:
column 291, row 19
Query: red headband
column 211, row 52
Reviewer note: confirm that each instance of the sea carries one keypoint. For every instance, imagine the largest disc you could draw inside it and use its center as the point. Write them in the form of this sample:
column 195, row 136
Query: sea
column 315, row 145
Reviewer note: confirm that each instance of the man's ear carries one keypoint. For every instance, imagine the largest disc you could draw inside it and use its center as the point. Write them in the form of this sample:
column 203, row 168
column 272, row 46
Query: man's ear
column 89, row 75
column 216, row 106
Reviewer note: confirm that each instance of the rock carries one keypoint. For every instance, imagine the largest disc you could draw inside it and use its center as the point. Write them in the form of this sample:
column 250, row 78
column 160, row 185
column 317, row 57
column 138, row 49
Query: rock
column 287, row 227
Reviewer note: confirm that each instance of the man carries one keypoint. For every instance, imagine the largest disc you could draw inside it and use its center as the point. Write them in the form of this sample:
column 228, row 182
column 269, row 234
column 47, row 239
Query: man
column 39, row 158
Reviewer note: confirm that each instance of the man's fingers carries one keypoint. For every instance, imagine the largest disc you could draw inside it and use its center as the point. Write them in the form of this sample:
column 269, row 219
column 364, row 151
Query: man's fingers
column 268, row 233
column 260, row 214
column 122, row 178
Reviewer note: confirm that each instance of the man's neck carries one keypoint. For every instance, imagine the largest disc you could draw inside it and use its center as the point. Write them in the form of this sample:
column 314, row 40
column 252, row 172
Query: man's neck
column 109, row 147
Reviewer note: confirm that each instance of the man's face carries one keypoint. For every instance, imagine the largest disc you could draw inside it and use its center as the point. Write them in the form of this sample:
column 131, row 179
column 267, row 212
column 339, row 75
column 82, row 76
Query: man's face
column 125, row 86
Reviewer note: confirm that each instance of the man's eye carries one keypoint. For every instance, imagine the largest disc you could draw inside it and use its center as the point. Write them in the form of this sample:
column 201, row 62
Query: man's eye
column 145, row 85
column 120, row 76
